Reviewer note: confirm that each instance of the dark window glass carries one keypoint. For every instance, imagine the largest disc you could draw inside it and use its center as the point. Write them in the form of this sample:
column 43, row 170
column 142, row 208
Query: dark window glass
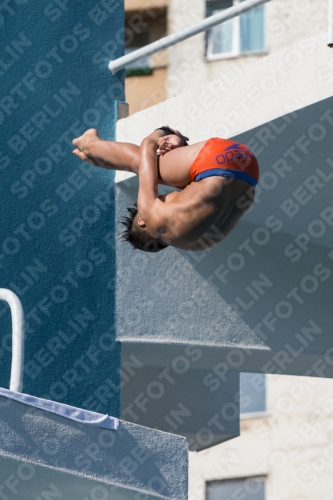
column 245, row 489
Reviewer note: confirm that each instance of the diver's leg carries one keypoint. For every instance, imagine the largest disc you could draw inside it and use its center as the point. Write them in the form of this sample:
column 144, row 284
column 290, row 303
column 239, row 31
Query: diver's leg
column 107, row 154
column 175, row 166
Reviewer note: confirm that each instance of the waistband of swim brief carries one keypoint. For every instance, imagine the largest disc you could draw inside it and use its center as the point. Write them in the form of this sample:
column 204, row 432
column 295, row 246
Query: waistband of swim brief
column 227, row 172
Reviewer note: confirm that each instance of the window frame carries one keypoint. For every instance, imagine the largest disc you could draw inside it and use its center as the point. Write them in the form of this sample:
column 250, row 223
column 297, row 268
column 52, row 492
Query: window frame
column 242, row 478
column 256, row 414
column 253, row 415
column 236, row 52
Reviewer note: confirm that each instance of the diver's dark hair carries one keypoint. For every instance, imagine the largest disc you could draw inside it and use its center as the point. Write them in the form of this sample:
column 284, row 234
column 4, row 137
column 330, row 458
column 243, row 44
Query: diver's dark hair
column 137, row 236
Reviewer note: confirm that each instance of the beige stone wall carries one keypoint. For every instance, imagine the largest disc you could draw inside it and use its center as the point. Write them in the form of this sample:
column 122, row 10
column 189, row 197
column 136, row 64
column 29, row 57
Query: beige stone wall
column 292, row 445
column 287, row 23
column 144, row 4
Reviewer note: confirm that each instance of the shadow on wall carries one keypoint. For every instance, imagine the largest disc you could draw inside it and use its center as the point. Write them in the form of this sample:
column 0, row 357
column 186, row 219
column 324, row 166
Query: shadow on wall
column 275, row 269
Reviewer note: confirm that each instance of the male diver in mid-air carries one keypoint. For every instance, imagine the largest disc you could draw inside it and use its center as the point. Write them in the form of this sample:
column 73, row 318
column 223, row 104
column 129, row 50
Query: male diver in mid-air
column 216, row 178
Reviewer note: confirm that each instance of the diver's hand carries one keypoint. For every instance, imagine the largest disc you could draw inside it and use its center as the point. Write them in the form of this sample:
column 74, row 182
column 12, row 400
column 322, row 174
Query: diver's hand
column 169, row 142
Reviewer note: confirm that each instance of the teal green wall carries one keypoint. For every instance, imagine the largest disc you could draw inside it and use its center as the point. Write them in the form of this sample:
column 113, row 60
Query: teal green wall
column 57, row 214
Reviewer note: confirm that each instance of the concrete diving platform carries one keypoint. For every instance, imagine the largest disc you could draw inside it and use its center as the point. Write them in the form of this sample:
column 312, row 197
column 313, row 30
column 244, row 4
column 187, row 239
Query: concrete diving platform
column 45, row 455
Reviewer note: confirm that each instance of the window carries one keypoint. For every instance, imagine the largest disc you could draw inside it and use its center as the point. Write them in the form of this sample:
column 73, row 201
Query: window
column 242, row 35
column 252, row 393
column 251, row 488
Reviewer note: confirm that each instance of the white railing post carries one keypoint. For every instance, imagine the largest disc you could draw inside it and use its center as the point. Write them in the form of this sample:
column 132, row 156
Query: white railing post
column 330, row 23
column 16, row 376
column 170, row 40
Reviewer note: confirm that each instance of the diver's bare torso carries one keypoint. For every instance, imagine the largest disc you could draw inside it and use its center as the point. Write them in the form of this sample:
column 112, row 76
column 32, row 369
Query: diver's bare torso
column 207, row 211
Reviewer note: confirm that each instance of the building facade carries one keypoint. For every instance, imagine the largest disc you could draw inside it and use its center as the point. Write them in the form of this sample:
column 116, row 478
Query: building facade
column 264, row 31
column 226, row 49
column 283, row 453
column 285, row 450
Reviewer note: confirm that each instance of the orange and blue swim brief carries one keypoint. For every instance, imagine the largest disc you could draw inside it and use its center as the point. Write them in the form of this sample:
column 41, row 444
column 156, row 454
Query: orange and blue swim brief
column 225, row 158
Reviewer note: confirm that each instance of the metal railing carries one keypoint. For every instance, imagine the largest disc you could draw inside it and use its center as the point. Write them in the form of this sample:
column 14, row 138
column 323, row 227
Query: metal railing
column 170, row 40
column 16, row 376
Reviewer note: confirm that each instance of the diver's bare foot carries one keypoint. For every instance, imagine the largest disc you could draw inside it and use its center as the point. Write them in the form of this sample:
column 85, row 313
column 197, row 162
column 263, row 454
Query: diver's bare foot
column 90, row 148
column 83, row 142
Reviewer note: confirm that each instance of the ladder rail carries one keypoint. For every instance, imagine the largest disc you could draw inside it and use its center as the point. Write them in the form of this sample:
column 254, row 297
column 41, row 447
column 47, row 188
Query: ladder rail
column 18, row 338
